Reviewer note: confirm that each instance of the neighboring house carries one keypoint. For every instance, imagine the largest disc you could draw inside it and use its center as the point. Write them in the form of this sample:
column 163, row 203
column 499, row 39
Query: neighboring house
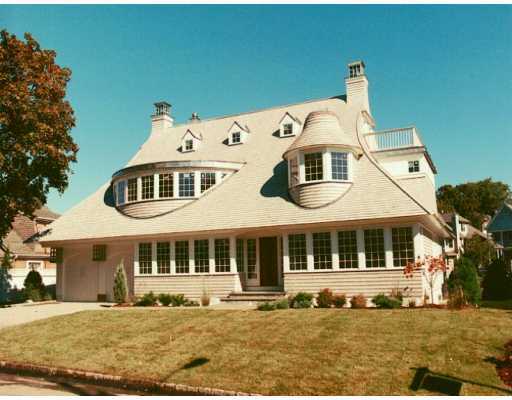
column 500, row 227
column 28, row 254
column 292, row 198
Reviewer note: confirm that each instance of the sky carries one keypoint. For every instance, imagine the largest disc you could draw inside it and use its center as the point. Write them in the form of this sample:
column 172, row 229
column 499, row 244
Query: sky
column 445, row 69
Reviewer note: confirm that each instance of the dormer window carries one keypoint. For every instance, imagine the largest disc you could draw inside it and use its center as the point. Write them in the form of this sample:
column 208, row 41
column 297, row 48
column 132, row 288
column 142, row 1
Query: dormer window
column 190, row 141
column 189, row 145
column 237, row 134
column 313, row 167
column 339, row 165
column 414, row 166
column 235, row 137
column 288, row 126
column 287, row 129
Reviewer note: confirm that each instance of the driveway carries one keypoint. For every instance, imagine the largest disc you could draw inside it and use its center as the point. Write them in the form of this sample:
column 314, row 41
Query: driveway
column 24, row 313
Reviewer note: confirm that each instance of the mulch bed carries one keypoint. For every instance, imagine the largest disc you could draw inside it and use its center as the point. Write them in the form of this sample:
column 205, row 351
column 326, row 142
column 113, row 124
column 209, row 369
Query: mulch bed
column 504, row 365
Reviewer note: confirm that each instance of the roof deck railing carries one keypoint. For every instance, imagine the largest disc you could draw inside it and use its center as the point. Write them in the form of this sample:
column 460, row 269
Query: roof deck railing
column 392, row 139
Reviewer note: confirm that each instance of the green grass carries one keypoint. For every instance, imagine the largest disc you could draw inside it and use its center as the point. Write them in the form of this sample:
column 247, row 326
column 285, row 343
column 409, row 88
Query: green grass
column 315, row 351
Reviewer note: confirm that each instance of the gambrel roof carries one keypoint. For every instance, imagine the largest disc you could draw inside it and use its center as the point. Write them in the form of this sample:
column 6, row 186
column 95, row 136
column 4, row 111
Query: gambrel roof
column 256, row 196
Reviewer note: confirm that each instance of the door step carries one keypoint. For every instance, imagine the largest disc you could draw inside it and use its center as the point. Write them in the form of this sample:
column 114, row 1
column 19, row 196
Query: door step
column 254, row 296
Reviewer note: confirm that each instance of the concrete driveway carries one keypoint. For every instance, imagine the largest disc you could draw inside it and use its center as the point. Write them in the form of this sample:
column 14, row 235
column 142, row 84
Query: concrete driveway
column 23, row 313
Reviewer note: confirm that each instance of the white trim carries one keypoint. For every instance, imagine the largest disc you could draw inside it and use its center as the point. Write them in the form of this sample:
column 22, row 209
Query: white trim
column 335, row 257
column 388, row 247
column 361, row 252
column 309, row 252
column 286, row 254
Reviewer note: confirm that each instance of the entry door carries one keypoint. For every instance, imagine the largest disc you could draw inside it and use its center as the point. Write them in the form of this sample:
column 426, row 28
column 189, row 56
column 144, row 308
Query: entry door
column 268, row 261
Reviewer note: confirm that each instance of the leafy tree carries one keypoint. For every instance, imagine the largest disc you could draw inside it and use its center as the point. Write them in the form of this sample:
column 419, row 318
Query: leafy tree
column 479, row 250
column 5, row 277
column 120, row 284
column 497, row 282
column 36, row 149
column 473, row 200
column 465, row 277
column 34, row 286
column 431, row 268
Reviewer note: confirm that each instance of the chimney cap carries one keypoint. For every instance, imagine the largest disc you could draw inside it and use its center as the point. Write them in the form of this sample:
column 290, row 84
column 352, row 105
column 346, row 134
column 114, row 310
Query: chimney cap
column 355, row 68
column 162, row 108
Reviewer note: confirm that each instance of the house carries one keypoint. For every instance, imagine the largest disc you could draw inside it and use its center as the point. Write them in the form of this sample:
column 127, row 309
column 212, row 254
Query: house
column 291, row 198
column 23, row 244
column 500, row 227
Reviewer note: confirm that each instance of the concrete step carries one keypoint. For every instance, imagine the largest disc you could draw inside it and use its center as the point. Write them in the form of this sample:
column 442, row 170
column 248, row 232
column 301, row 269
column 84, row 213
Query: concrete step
column 253, row 296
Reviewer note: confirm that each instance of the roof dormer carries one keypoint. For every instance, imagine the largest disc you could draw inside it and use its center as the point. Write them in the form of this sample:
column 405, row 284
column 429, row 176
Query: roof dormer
column 237, row 134
column 288, row 125
column 190, row 141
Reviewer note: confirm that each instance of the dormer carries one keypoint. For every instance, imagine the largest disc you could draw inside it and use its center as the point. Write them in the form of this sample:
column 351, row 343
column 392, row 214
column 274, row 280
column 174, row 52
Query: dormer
column 190, row 141
column 237, row 134
column 289, row 125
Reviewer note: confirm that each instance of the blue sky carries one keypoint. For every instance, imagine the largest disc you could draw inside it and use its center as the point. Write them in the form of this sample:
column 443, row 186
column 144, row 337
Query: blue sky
column 445, row 69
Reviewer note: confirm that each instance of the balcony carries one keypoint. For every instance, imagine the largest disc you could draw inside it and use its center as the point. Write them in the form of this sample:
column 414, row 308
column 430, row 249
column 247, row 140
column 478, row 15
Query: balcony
column 393, row 139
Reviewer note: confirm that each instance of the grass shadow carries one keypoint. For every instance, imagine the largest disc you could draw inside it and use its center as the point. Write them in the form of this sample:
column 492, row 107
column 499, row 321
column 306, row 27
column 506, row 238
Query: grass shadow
column 196, row 362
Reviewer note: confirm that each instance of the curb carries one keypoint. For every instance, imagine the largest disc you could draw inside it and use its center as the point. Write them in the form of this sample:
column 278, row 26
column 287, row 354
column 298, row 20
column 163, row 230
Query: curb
column 117, row 381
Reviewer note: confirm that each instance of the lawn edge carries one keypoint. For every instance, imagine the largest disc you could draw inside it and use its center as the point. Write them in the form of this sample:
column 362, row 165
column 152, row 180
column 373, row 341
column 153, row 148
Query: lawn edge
column 97, row 378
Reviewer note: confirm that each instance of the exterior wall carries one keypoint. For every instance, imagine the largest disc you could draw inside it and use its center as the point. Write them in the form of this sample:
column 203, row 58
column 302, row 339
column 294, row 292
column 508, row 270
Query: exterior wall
column 318, row 194
column 151, row 208
column 398, row 166
column 21, row 269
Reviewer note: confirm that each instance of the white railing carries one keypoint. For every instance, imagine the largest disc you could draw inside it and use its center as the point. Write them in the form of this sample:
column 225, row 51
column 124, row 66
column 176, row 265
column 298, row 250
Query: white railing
column 393, row 139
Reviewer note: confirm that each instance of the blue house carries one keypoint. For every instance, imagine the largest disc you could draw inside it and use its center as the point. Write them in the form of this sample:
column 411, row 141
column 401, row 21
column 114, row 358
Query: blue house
column 500, row 227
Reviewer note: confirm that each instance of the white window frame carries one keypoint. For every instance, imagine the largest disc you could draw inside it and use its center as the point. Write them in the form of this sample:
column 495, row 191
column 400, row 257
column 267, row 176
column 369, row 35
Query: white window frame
column 40, row 268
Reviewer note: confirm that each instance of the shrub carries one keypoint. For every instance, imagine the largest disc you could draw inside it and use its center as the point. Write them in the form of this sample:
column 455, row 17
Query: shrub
column 497, row 282
column 339, row 300
column 302, row 300
column 383, row 301
column 267, row 306
column 325, row 298
column 411, row 303
column 456, row 298
column 120, row 284
column 205, row 300
column 282, row 304
column 358, row 301
column 34, row 294
column 191, row 303
column 17, row 296
column 147, row 300
column 178, row 300
column 34, row 286
column 165, row 299
column 465, row 276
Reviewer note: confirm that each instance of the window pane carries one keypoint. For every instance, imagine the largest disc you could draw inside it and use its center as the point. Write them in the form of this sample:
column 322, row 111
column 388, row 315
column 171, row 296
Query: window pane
column 251, row 259
column 297, row 252
column 313, row 166
column 145, row 258
column 414, row 166
column 240, row 255
column 121, row 186
column 322, row 254
column 207, row 180
column 403, row 246
column 347, row 249
column 339, row 166
column 294, row 171
column 182, row 264
column 201, row 256
column 374, row 248
column 148, row 183
column 165, row 186
column 99, row 252
column 235, row 137
column 189, row 144
column 222, row 255
column 163, row 257
column 287, row 129
column 132, row 189
column 186, row 184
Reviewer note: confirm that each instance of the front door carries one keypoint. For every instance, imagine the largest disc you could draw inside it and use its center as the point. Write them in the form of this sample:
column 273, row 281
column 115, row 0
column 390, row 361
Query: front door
column 268, row 261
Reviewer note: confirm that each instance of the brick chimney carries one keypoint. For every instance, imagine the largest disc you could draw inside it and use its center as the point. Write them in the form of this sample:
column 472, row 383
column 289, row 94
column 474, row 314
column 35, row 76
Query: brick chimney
column 357, row 86
column 161, row 119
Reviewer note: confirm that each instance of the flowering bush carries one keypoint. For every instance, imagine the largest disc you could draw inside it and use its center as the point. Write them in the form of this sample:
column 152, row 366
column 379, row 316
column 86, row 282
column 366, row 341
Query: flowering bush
column 325, row 298
column 431, row 268
column 339, row 300
column 358, row 301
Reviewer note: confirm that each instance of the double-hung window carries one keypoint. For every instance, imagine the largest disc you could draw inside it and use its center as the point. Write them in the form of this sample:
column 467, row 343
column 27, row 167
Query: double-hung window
column 148, row 183
column 186, row 184
column 297, row 252
column 163, row 258
column 403, row 246
column 322, row 254
column 339, row 165
column 121, row 187
column 207, row 180
column 374, row 248
column 132, row 189
column 236, row 137
column 201, row 256
column 313, row 166
column 287, row 129
column 145, row 259
column 182, row 260
column 189, row 145
column 165, row 186
column 222, row 262
column 347, row 249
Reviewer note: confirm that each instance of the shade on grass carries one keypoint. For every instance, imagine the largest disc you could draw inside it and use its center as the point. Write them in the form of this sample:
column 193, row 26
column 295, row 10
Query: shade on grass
column 316, row 351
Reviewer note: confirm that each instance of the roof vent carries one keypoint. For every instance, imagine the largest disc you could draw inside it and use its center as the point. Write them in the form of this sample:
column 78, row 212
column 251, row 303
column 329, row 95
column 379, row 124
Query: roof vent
column 195, row 117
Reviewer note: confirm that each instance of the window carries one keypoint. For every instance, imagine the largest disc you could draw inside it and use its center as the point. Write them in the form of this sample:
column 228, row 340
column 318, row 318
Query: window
column 148, row 183
column 339, row 165
column 189, row 145
column 235, row 137
column 240, row 255
column 165, row 186
column 322, row 255
column 222, row 255
column 121, row 186
column 313, row 166
column 403, row 246
column 297, row 252
column 347, row 249
column 34, row 265
column 201, row 256
column 163, row 258
column 448, row 243
column 56, row 254
column 99, row 252
column 287, row 129
column 294, row 171
column 374, row 248
column 186, row 184
column 414, row 166
column 207, row 180
column 251, row 259
column 132, row 189
column 182, row 263
column 145, row 259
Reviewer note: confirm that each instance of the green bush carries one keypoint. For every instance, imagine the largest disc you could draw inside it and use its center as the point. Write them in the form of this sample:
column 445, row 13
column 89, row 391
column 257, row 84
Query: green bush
column 147, row 300
column 267, row 306
column 120, row 284
column 178, row 300
column 456, row 298
column 34, row 294
column 383, row 301
column 339, row 300
column 497, row 282
column 34, row 286
column 465, row 276
column 282, row 304
column 358, row 301
column 302, row 300
column 165, row 299
column 325, row 298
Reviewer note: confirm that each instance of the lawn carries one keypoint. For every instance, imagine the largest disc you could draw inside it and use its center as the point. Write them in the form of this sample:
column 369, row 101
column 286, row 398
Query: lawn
column 315, row 351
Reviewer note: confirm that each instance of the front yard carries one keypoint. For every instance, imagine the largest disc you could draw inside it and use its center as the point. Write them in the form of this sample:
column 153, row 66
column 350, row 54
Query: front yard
column 310, row 351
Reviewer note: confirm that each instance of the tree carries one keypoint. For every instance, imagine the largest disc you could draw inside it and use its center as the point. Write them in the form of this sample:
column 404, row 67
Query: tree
column 431, row 268
column 5, row 277
column 465, row 277
column 34, row 286
column 497, row 282
column 120, row 284
column 479, row 250
column 36, row 149
column 473, row 200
